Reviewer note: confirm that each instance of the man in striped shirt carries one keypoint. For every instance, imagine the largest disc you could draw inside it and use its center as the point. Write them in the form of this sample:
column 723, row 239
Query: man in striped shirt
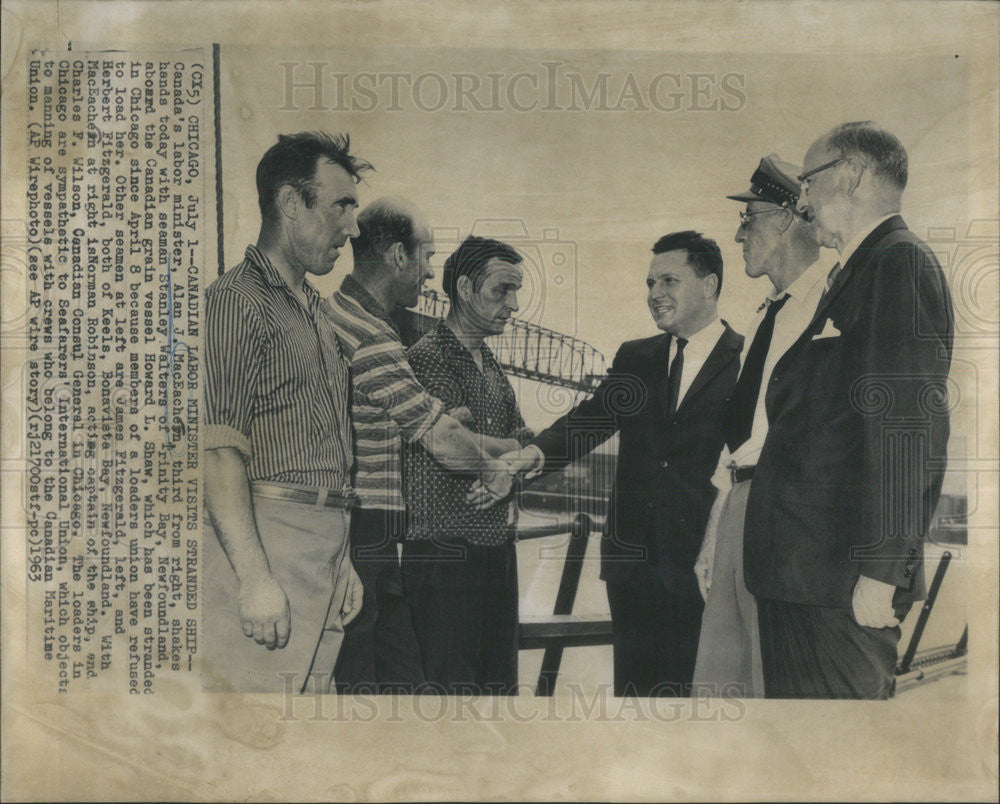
column 391, row 263
column 277, row 435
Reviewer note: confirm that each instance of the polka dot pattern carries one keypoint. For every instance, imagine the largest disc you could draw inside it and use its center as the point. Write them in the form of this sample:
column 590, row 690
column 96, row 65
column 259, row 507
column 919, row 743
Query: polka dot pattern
column 435, row 497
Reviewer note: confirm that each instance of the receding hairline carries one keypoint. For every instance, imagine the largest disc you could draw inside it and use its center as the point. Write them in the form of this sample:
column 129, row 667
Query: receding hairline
column 323, row 159
column 404, row 208
column 876, row 145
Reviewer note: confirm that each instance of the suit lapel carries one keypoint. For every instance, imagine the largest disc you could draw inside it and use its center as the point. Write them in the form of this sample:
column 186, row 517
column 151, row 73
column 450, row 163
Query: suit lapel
column 718, row 359
column 830, row 296
column 859, row 259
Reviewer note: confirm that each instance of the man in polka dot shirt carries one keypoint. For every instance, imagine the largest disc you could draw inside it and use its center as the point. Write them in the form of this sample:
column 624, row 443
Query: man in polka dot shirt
column 459, row 562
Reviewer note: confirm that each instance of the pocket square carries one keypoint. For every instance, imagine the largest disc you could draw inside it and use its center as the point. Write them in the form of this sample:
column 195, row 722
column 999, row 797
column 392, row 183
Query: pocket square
column 829, row 331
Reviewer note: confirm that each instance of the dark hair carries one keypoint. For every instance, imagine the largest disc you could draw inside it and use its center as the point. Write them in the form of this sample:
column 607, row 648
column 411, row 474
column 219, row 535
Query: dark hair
column 703, row 253
column 293, row 159
column 880, row 150
column 379, row 226
column 470, row 258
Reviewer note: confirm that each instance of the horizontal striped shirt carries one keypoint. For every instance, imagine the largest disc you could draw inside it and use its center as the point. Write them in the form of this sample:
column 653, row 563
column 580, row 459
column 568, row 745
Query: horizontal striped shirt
column 276, row 382
column 435, row 497
column 388, row 404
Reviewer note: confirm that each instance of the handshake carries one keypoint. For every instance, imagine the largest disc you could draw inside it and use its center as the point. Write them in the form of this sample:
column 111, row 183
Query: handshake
column 498, row 474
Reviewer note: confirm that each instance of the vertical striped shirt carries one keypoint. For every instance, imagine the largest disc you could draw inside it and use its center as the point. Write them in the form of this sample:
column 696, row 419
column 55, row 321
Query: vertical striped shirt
column 276, row 382
column 388, row 404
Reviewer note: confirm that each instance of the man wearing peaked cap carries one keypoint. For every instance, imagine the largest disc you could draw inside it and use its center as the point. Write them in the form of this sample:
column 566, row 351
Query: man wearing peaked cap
column 774, row 182
column 857, row 408
column 778, row 243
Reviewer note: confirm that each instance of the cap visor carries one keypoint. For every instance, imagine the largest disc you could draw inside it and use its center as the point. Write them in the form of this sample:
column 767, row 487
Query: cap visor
column 747, row 196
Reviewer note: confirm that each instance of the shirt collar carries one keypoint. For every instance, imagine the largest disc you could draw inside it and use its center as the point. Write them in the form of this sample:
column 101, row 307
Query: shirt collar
column 263, row 264
column 852, row 246
column 703, row 341
column 353, row 288
column 800, row 288
column 450, row 342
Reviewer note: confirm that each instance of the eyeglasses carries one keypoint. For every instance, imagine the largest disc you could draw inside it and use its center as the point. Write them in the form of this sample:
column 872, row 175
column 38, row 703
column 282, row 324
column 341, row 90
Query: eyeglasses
column 746, row 216
column 806, row 177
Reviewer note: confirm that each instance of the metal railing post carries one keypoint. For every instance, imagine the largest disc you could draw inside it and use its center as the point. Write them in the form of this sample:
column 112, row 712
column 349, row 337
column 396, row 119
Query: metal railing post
column 925, row 613
column 565, row 597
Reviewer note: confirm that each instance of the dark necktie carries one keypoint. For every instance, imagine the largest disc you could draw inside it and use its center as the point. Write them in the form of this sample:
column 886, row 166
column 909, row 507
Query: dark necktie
column 743, row 402
column 830, row 279
column 674, row 375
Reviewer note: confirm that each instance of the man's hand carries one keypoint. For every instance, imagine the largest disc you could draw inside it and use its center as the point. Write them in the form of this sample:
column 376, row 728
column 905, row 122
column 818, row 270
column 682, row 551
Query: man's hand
column 705, row 563
column 703, row 566
column 492, row 486
column 463, row 416
column 479, row 496
column 486, row 491
column 519, row 461
column 264, row 612
column 354, row 599
column 872, row 603
column 497, row 479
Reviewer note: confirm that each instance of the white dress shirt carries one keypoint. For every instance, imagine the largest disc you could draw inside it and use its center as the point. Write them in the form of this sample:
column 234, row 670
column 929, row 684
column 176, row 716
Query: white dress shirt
column 699, row 346
column 803, row 298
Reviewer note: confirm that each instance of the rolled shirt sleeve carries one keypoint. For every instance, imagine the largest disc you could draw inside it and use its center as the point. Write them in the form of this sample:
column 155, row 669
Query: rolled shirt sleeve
column 233, row 342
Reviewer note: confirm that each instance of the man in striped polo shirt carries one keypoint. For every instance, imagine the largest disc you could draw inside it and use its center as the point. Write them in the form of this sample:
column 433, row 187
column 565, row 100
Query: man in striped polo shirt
column 391, row 263
column 277, row 435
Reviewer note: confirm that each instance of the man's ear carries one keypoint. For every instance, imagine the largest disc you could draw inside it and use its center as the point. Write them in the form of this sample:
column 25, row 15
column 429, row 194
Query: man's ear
column 711, row 284
column 398, row 255
column 464, row 287
column 288, row 201
column 854, row 177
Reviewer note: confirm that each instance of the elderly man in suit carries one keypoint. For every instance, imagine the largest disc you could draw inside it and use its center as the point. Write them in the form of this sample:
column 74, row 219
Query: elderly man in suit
column 665, row 396
column 851, row 470
column 780, row 243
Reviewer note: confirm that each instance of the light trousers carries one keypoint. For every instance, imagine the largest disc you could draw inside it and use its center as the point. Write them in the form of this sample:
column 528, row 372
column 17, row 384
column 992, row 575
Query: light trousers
column 729, row 657
column 306, row 547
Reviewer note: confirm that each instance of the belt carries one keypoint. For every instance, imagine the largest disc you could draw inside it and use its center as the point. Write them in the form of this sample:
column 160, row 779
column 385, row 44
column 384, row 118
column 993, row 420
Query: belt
column 740, row 473
column 323, row 498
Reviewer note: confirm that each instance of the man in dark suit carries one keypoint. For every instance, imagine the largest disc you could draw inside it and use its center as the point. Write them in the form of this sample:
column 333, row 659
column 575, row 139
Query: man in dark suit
column 851, row 469
column 665, row 396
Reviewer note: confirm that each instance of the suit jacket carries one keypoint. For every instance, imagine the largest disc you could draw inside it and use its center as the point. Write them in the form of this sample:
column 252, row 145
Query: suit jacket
column 662, row 491
column 851, row 470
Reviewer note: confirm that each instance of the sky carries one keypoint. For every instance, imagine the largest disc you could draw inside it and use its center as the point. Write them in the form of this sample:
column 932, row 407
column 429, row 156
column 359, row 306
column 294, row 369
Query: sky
column 593, row 184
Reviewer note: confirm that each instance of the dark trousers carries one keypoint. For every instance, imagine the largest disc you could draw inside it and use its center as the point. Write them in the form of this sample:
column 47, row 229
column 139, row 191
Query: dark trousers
column 655, row 635
column 819, row 652
column 464, row 603
column 380, row 653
